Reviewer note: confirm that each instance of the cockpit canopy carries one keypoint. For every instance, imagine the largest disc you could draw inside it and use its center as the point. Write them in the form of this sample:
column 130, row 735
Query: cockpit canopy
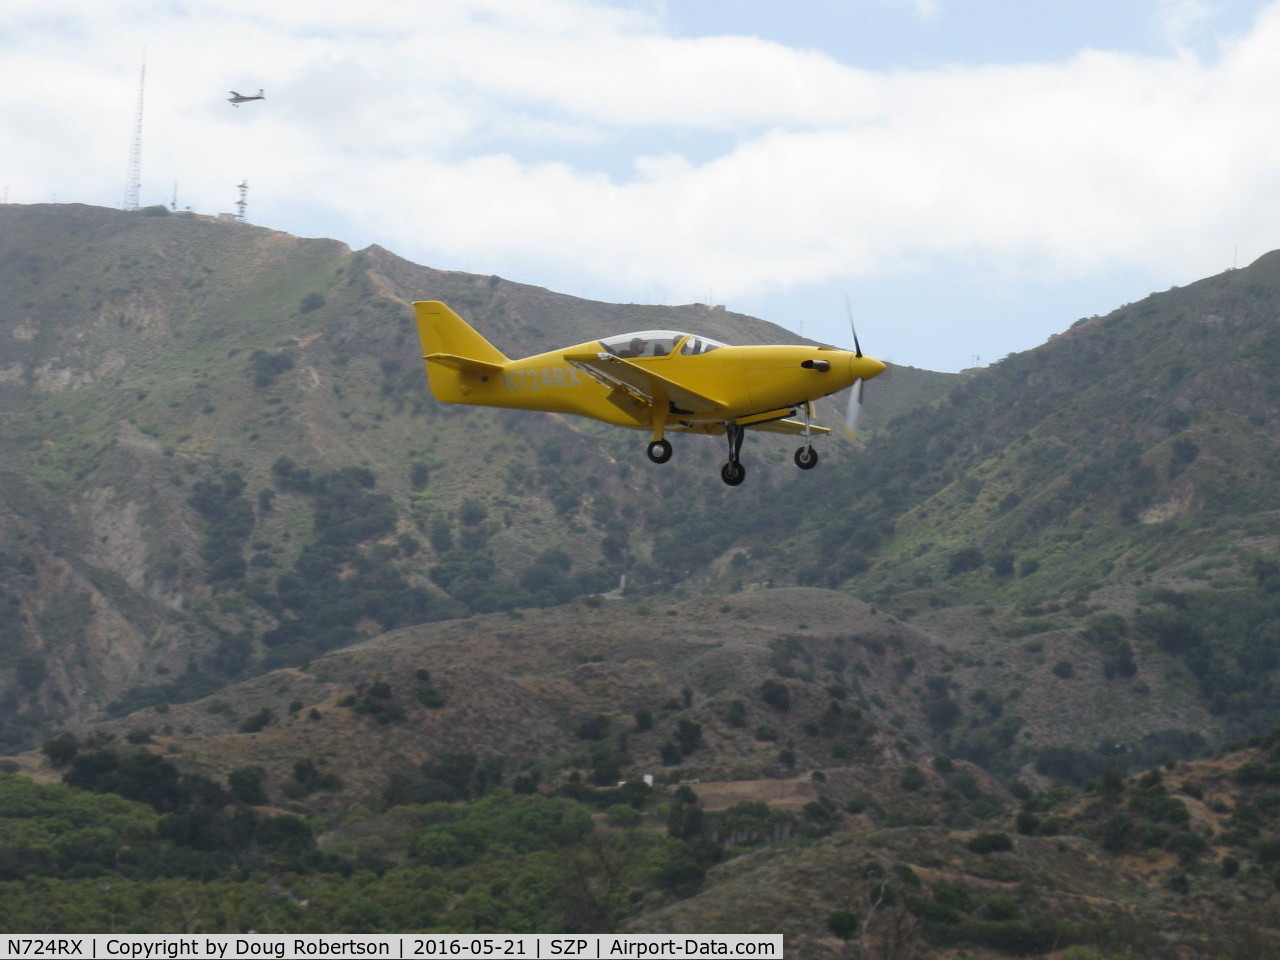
column 658, row 343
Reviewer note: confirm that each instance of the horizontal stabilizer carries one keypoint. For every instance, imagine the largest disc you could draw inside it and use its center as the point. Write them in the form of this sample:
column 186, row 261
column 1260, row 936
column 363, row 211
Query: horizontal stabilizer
column 464, row 364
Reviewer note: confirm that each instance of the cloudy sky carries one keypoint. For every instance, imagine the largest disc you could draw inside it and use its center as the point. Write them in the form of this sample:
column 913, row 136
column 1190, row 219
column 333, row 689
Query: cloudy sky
column 974, row 175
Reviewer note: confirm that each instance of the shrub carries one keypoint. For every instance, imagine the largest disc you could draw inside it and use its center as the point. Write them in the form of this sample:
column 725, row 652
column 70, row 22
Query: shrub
column 843, row 923
column 912, row 778
column 964, row 560
column 429, row 696
column 595, row 727
column 776, row 694
column 679, row 873
column 623, row 815
column 985, row 843
column 265, row 366
column 258, row 721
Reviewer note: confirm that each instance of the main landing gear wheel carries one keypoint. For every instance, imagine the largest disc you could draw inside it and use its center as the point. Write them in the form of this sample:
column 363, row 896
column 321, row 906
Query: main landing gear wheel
column 733, row 472
column 660, row 451
column 806, row 458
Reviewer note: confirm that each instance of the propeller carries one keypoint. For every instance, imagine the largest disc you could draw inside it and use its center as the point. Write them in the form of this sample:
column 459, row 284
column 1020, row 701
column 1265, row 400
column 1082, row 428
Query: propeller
column 854, row 410
column 848, row 309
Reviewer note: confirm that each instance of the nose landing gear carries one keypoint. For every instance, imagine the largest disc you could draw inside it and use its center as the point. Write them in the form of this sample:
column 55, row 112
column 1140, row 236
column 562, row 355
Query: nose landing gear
column 806, row 457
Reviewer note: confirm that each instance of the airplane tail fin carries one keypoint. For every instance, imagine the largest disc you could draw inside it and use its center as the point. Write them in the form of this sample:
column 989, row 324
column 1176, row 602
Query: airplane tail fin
column 457, row 357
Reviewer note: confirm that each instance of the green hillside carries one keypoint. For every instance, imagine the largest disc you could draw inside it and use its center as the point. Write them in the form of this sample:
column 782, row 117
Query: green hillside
column 323, row 654
column 1119, row 449
column 220, row 456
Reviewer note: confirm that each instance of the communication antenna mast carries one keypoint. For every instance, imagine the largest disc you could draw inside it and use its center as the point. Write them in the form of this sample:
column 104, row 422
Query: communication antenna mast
column 243, row 201
column 133, row 183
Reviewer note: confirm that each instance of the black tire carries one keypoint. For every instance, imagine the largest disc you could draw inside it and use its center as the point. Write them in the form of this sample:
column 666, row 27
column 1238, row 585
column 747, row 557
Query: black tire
column 806, row 458
column 733, row 473
column 660, row 451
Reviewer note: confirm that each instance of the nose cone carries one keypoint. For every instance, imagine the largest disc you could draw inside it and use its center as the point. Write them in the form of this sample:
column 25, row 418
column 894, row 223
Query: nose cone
column 864, row 368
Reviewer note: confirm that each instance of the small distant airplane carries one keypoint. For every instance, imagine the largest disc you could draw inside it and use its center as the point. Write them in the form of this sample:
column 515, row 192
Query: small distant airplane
column 655, row 380
column 238, row 98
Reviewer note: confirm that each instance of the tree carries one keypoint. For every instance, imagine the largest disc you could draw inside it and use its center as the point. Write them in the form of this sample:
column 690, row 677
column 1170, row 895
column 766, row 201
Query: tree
column 601, row 877
column 61, row 749
column 247, row 785
column 688, row 735
column 885, row 918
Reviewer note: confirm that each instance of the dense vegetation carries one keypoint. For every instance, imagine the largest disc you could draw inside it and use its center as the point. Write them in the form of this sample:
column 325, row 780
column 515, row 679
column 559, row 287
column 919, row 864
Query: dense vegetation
column 129, row 844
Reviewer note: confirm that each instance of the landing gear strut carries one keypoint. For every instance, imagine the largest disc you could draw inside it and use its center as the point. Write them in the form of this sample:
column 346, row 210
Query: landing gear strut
column 806, row 457
column 733, row 473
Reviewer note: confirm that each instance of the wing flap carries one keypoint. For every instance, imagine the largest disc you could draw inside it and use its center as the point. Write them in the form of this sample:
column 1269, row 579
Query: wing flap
column 792, row 427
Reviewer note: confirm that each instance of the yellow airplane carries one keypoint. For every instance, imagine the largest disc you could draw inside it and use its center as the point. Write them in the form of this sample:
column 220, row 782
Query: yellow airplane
column 656, row 380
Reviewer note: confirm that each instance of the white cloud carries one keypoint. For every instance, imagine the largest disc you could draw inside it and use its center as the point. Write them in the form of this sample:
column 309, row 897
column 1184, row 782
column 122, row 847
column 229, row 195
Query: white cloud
column 1181, row 20
column 1053, row 170
column 407, row 124
column 926, row 9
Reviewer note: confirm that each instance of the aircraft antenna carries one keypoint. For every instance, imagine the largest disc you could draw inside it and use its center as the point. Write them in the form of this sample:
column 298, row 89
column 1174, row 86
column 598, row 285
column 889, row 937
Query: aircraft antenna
column 243, row 201
column 133, row 181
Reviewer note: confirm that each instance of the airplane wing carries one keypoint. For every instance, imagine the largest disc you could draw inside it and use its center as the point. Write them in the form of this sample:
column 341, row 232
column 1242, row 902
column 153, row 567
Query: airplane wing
column 641, row 383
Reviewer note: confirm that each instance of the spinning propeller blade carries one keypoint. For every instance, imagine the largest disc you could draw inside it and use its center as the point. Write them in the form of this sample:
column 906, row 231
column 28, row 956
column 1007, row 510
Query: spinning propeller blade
column 854, row 410
column 848, row 308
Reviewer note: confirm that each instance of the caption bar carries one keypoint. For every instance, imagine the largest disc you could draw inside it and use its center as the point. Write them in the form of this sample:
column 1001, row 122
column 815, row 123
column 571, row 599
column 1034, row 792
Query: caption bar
column 256, row 946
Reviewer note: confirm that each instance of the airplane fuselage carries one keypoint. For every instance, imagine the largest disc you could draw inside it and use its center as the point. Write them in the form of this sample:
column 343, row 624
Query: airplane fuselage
column 746, row 380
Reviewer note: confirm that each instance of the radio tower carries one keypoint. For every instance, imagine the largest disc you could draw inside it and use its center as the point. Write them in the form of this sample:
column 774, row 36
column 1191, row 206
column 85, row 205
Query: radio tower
column 133, row 183
column 243, row 201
